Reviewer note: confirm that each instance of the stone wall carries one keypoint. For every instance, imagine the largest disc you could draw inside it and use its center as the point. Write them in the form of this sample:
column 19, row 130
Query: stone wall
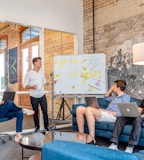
column 118, row 25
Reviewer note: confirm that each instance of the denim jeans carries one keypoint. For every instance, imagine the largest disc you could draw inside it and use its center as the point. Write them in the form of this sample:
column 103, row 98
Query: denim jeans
column 10, row 110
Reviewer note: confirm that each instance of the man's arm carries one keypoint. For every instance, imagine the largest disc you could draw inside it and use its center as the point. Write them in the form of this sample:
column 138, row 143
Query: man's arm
column 26, row 82
column 109, row 92
column 110, row 112
column 50, row 83
column 30, row 87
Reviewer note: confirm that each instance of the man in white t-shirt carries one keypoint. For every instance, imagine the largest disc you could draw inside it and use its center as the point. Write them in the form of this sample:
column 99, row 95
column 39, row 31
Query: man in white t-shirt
column 35, row 81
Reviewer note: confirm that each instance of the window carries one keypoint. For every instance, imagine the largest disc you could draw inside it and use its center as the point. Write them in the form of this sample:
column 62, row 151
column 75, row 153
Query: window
column 3, row 46
column 2, row 43
column 30, row 33
column 2, row 72
column 29, row 50
column 30, row 47
column 27, row 55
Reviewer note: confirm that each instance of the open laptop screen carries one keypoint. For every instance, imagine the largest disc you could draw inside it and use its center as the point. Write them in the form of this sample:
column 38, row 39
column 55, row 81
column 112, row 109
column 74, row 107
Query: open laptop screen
column 92, row 101
column 128, row 109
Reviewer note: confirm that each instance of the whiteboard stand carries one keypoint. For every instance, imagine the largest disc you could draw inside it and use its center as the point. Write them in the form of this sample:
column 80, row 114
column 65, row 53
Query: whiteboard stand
column 61, row 112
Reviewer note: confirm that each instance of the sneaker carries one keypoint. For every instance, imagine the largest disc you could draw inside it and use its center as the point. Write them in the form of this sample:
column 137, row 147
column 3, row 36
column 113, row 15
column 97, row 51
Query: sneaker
column 113, row 146
column 17, row 139
column 28, row 111
column 129, row 149
column 47, row 129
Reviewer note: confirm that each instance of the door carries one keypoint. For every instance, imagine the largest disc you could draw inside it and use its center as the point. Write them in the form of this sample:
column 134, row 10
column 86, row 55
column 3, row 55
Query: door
column 28, row 52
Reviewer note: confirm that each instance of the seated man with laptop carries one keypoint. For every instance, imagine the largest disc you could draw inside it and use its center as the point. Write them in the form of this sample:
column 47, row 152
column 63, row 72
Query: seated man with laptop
column 128, row 116
column 114, row 95
column 9, row 110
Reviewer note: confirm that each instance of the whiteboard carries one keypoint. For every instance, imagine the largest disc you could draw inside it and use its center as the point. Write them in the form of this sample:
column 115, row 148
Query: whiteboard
column 80, row 74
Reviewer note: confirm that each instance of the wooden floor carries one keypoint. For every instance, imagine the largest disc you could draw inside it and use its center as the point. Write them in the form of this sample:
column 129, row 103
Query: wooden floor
column 11, row 124
column 36, row 156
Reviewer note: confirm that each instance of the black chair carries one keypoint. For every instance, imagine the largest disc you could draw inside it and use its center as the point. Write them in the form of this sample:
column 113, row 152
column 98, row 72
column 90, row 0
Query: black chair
column 4, row 136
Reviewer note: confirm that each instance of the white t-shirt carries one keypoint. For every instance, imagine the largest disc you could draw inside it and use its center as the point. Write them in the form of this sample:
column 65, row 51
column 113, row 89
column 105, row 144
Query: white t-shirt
column 35, row 78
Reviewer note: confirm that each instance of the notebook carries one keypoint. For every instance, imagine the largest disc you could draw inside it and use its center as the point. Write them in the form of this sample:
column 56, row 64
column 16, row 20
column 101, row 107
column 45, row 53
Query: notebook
column 128, row 109
column 67, row 136
column 92, row 101
column 8, row 95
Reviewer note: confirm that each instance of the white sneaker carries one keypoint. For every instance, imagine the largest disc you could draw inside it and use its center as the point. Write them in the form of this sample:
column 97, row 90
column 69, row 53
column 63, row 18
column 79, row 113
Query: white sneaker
column 129, row 149
column 17, row 139
column 28, row 111
column 113, row 146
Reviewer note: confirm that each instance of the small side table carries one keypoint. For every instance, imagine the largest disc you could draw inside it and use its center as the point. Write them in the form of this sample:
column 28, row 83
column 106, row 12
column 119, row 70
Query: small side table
column 28, row 146
column 25, row 143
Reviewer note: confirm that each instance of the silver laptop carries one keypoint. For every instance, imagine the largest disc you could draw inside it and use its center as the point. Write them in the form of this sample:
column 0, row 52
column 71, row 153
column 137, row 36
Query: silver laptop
column 128, row 109
column 67, row 136
column 92, row 101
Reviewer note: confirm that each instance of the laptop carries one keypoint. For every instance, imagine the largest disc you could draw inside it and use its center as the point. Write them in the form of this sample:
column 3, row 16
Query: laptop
column 67, row 136
column 128, row 109
column 8, row 95
column 92, row 101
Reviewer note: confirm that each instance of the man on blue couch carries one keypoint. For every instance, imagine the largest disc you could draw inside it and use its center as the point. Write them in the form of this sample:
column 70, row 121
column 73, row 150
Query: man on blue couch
column 135, row 132
column 114, row 95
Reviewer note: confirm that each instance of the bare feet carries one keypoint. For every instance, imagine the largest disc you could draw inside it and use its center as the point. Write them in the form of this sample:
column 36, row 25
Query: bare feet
column 90, row 139
column 80, row 136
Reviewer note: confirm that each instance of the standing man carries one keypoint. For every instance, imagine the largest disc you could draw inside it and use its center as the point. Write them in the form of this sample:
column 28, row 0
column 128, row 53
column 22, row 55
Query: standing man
column 35, row 81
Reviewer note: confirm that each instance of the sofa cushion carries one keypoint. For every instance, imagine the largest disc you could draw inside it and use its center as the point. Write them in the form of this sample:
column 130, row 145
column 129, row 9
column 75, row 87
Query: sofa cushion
column 101, row 125
column 103, row 103
column 142, row 132
column 63, row 150
column 138, row 101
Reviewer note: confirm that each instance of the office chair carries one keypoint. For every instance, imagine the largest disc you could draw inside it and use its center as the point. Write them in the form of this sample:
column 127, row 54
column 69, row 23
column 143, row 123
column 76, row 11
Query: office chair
column 4, row 136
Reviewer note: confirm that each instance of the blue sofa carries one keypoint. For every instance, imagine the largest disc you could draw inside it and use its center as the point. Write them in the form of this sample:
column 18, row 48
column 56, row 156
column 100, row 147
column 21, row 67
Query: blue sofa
column 63, row 150
column 105, row 129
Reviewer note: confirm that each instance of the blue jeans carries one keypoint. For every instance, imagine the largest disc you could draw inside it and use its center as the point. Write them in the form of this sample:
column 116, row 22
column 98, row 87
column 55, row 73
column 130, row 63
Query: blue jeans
column 10, row 110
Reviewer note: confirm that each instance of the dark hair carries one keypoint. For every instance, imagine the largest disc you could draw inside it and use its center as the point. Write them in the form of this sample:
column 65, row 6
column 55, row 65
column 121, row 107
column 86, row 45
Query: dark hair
column 121, row 84
column 35, row 59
